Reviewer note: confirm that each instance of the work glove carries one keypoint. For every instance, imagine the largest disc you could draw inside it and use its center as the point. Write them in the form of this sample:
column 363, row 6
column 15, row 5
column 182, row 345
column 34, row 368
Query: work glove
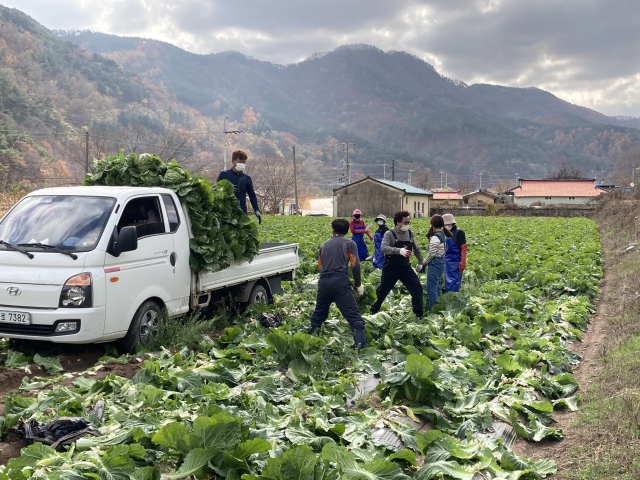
column 405, row 253
column 463, row 262
column 360, row 290
column 418, row 268
column 259, row 217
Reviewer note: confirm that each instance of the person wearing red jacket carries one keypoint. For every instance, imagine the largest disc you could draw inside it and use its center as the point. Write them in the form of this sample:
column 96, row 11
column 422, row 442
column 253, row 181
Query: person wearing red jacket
column 455, row 257
column 358, row 229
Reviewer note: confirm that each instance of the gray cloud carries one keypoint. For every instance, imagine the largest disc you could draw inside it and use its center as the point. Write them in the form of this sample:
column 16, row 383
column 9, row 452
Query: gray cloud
column 584, row 51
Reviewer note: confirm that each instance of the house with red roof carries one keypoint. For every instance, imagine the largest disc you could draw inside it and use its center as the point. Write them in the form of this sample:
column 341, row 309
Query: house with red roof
column 450, row 197
column 554, row 192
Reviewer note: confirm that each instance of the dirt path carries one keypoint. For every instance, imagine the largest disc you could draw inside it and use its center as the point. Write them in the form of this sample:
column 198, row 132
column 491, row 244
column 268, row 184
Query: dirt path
column 585, row 373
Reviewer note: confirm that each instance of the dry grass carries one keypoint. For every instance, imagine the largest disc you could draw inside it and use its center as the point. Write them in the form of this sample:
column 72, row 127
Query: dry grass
column 609, row 422
column 8, row 200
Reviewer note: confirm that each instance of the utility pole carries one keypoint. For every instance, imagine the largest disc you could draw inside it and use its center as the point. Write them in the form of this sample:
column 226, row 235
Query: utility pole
column 295, row 178
column 446, row 179
column 480, row 180
column 384, row 171
column 633, row 175
column 86, row 164
column 516, row 179
column 393, row 169
column 348, row 167
column 224, row 130
column 441, row 185
column 410, row 171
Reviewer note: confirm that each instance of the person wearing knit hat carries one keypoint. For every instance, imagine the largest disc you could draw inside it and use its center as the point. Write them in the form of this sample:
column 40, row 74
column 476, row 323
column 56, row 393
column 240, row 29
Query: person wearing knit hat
column 358, row 229
column 455, row 257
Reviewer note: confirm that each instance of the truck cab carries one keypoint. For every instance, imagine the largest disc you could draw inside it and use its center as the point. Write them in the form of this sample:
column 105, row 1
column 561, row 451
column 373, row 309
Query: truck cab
column 96, row 264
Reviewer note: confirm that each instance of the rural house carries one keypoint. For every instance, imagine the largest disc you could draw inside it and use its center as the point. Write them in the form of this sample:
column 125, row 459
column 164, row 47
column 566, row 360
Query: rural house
column 480, row 197
column 554, row 192
column 374, row 196
column 450, row 197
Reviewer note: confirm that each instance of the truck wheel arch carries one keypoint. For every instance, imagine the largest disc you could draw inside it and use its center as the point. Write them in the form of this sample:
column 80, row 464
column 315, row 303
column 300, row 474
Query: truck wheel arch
column 243, row 296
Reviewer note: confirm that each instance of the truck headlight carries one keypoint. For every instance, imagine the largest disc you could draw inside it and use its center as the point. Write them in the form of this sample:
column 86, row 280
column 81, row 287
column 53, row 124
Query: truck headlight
column 77, row 292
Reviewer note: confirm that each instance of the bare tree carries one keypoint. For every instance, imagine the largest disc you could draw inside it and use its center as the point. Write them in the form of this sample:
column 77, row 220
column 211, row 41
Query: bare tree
column 424, row 180
column 502, row 186
column 168, row 144
column 273, row 180
column 566, row 172
column 466, row 185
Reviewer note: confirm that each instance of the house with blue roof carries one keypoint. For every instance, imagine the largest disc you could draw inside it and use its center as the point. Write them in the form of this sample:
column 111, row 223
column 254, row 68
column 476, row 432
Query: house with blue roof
column 374, row 196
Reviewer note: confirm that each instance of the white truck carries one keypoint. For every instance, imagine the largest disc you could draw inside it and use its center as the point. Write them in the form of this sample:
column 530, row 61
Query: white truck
column 96, row 264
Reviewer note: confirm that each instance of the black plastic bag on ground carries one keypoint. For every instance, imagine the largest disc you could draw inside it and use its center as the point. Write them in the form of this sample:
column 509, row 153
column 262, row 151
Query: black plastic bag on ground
column 62, row 431
column 270, row 320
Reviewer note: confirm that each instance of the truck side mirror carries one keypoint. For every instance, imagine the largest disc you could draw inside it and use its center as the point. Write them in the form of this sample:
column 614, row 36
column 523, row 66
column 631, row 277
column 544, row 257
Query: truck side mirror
column 127, row 240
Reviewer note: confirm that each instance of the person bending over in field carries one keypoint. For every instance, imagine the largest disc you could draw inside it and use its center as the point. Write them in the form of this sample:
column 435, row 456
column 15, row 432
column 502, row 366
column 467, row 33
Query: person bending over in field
column 358, row 229
column 397, row 245
column 435, row 258
column 242, row 183
column 334, row 258
column 456, row 257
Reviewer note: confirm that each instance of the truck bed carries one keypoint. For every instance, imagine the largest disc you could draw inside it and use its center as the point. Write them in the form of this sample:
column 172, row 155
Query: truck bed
column 272, row 259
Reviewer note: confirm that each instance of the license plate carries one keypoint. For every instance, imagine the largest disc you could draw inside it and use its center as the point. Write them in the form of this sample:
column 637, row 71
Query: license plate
column 15, row 317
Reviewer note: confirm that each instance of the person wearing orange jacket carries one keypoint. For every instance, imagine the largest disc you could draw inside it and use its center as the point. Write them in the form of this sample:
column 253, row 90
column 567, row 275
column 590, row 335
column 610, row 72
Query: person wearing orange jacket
column 358, row 229
column 455, row 258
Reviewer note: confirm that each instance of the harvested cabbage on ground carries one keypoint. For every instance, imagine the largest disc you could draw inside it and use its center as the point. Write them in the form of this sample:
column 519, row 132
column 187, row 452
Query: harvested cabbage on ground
column 255, row 404
column 222, row 232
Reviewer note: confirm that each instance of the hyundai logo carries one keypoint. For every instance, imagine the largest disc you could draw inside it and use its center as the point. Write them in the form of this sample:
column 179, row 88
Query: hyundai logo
column 15, row 291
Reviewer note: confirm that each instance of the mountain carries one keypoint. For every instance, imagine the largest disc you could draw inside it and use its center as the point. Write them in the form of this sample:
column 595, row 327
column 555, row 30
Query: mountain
column 392, row 99
column 52, row 92
column 143, row 95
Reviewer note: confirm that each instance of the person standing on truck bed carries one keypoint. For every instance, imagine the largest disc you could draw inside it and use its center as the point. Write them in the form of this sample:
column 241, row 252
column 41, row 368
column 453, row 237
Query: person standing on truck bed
column 334, row 258
column 241, row 181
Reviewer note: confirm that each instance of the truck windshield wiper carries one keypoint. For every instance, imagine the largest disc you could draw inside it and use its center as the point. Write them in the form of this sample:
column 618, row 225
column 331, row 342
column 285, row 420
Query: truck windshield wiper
column 8, row 246
column 44, row 246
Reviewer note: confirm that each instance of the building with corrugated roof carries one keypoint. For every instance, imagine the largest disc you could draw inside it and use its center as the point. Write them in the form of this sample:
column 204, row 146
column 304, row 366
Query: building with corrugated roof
column 480, row 197
column 449, row 197
column 374, row 197
column 554, row 192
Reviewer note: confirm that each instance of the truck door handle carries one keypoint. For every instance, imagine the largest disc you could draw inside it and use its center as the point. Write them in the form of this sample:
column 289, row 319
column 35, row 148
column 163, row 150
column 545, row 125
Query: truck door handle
column 172, row 259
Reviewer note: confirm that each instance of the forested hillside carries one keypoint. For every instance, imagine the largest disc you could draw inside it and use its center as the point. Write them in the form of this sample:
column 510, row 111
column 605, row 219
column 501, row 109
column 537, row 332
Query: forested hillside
column 143, row 95
column 392, row 99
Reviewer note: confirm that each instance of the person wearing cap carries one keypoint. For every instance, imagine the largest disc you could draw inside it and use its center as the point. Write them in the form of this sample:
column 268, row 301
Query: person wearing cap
column 378, row 256
column 334, row 258
column 242, row 183
column 358, row 229
column 455, row 258
column 398, row 244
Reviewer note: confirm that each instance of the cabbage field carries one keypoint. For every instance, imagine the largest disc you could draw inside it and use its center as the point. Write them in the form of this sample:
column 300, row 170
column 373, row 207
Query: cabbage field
column 256, row 404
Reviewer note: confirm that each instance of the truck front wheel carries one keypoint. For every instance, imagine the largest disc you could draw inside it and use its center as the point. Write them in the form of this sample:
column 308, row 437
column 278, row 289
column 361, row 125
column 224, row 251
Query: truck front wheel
column 144, row 327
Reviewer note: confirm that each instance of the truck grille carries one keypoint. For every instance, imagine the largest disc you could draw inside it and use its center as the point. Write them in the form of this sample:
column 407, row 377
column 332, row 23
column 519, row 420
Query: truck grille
column 35, row 330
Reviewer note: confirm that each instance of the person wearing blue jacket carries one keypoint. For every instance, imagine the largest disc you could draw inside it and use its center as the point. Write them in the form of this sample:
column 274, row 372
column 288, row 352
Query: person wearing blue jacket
column 242, row 183
column 378, row 256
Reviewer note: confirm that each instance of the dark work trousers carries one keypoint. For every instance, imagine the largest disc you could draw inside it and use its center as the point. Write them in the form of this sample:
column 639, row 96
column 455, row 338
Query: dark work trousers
column 391, row 273
column 336, row 288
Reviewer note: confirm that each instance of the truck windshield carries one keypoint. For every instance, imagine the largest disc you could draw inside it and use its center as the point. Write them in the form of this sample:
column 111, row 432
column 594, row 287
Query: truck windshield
column 70, row 223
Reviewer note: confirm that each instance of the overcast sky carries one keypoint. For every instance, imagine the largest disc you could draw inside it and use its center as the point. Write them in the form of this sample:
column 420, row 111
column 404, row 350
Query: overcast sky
column 584, row 51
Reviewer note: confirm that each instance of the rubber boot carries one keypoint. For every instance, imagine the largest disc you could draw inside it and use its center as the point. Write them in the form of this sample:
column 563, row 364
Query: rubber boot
column 313, row 330
column 360, row 339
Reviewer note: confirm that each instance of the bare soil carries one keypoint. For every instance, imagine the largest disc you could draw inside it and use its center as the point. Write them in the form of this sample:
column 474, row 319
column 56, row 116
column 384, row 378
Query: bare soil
column 11, row 378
